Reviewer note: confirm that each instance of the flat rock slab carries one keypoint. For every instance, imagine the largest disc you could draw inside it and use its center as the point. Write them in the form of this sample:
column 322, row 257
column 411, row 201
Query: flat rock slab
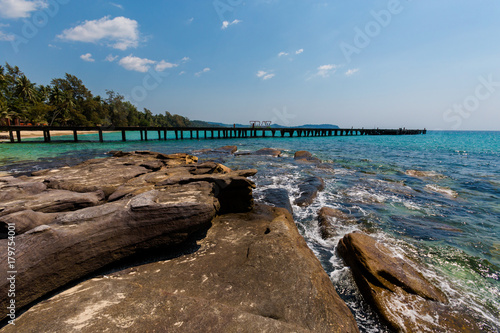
column 329, row 219
column 396, row 289
column 252, row 273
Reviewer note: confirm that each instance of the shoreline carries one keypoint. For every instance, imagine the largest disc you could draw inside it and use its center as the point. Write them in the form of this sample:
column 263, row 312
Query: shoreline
column 39, row 134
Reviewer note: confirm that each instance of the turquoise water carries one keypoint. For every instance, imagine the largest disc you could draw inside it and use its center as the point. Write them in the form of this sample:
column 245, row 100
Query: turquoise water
column 448, row 218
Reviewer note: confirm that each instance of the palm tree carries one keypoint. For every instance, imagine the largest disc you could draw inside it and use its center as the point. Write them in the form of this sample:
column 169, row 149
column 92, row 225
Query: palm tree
column 6, row 115
column 26, row 90
column 63, row 103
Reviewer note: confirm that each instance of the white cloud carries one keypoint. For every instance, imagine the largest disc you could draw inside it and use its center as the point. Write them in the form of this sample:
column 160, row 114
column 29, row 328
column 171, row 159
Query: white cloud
column 282, row 54
column 13, row 9
column 185, row 59
column 87, row 57
column 226, row 24
column 190, row 20
column 116, row 5
column 120, row 32
column 351, row 71
column 6, row 37
column 265, row 75
column 182, row 73
column 162, row 65
column 111, row 58
column 299, row 51
column 326, row 70
column 205, row 70
column 137, row 64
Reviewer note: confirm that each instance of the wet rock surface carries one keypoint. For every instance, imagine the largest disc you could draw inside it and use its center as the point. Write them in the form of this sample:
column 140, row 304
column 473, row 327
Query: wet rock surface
column 240, row 279
column 328, row 218
column 305, row 156
column 396, row 289
column 277, row 197
column 309, row 189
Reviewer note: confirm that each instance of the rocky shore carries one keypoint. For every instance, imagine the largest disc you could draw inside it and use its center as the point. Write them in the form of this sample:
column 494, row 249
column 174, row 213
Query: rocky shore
column 148, row 242
column 245, row 267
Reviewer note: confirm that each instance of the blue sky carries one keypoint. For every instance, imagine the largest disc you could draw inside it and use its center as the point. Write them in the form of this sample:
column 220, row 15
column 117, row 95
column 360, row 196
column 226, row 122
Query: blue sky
column 413, row 64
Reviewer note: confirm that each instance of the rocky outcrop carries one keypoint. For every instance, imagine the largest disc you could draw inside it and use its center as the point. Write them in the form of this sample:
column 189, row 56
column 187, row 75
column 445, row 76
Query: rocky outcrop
column 252, row 273
column 395, row 288
column 220, row 150
column 263, row 152
column 93, row 214
column 309, row 189
column 277, row 197
column 329, row 217
column 305, row 156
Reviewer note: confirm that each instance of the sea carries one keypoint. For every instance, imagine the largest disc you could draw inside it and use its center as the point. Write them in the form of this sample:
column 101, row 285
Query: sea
column 433, row 198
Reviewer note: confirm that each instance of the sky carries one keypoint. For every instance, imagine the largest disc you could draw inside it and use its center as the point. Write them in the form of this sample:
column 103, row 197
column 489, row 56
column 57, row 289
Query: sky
column 357, row 63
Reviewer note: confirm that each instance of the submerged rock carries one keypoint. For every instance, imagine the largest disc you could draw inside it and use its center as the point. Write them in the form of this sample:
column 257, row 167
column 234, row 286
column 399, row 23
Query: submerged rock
column 395, row 288
column 278, row 197
column 264, row 152
column 309, row 189
column 305, row 156
column 252, row 273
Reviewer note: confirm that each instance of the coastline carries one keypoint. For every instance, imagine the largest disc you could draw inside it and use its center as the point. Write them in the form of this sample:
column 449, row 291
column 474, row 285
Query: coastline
column 39, row 134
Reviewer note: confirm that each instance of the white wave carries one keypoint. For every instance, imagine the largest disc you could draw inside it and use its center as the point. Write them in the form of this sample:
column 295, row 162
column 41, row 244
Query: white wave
column 442, row 190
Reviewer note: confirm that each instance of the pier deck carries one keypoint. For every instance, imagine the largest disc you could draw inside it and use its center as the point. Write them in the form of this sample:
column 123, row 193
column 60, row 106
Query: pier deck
column 180, row 133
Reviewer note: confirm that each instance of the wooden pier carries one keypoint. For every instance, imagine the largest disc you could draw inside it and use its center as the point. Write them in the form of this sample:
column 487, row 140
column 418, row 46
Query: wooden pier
column 180, row 133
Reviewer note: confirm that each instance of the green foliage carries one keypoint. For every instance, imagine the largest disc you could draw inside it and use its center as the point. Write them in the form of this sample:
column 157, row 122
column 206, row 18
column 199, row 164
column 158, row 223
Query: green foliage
column 67, row 102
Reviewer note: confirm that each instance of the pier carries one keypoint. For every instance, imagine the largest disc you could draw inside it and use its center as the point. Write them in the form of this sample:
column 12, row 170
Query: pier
column 181, row 133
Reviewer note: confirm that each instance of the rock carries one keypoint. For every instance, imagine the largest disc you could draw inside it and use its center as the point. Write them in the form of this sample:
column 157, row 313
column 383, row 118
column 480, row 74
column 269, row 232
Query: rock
column 12, row 188
column 252, row 273
column 424, row 174
column 327, row 217
column 25, row 220
column 264, row 152
column 51, row 201
column 278, row 197
column 226, row 149
column 58, row 241
column 305, row 156
column 309, row 189
column 398, row 291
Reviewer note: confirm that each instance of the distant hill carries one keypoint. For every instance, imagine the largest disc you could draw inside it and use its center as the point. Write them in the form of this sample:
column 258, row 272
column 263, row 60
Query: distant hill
column 214, row 124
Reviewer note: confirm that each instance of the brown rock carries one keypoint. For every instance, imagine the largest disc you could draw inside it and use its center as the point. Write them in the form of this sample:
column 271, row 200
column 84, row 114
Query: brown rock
column 328, row 217
column 25, row 220
column 264, row 152
column 309, row 189
column 227, row 149
column 385, row 280
column 80, row 242
column 51, row 201
column 305, row 156
column 241, row 279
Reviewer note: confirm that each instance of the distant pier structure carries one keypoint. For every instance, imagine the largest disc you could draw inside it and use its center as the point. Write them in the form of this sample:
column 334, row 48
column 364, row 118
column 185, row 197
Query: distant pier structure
column 180, row 133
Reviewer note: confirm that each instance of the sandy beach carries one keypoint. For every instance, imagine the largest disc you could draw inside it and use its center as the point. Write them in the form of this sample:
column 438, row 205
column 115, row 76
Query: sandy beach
column 4, row 136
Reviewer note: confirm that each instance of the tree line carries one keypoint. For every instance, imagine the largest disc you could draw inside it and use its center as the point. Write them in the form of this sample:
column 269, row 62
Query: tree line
column 67, row 102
